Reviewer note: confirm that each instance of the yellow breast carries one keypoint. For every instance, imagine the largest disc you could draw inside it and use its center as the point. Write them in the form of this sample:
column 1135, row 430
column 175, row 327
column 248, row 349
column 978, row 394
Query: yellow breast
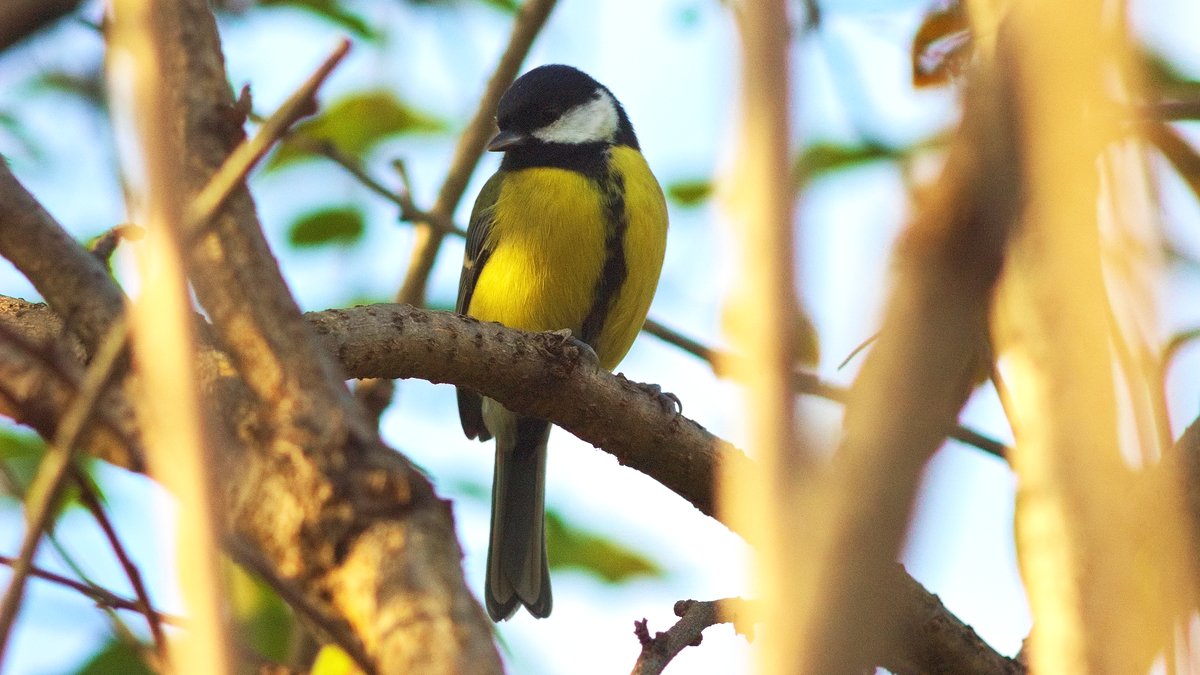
column 547, row 244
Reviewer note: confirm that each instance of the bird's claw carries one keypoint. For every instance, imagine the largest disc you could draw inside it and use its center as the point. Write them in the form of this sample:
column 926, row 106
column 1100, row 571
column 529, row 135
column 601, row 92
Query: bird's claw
column 669, row 402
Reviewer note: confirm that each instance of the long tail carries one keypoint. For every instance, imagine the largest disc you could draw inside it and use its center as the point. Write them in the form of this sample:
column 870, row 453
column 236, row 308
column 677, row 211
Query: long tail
column 517, row 569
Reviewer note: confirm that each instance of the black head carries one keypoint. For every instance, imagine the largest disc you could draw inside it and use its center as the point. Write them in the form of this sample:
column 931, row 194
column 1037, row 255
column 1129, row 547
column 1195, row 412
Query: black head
column 559, row 106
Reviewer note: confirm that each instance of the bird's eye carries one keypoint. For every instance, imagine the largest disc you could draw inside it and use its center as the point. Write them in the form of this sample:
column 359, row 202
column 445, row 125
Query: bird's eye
column 545, row 116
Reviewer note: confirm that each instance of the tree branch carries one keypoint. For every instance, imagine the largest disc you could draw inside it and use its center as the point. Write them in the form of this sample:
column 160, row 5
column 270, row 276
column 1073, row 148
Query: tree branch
column 329, row 506
column 466, row 154
column 72, row 280
column 101, row 596
column 694, row 617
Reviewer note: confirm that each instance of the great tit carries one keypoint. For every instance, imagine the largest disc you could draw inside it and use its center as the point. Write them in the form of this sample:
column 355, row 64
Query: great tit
column 569, row 234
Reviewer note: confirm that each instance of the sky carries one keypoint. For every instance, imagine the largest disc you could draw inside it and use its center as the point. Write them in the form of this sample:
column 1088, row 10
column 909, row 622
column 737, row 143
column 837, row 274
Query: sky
column 673, row 66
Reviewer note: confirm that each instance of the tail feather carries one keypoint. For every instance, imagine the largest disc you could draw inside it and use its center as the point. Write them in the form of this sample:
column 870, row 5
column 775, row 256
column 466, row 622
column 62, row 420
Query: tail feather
column 518, row 573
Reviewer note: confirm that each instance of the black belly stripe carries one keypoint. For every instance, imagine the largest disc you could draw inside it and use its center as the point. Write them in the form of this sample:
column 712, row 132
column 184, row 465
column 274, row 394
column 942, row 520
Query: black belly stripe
column 613, row 272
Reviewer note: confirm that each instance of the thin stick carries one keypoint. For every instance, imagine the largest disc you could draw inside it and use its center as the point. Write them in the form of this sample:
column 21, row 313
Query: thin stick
column 53, row 471
column 248, row 153
column 92, row 502
column 470, row 147
column 804, row 382
column 101, row 596
column 694, row 617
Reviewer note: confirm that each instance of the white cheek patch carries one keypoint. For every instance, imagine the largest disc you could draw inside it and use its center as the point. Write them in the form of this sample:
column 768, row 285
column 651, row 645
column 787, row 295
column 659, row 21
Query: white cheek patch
column 588, row 122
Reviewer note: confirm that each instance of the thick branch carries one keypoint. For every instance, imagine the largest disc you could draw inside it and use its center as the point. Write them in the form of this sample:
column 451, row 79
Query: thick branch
column 73, row 281
column 551, row 377
column 329, row 506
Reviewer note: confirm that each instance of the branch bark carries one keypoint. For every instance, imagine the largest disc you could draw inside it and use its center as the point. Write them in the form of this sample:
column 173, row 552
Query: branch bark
column 329, row 506
column 551, row 378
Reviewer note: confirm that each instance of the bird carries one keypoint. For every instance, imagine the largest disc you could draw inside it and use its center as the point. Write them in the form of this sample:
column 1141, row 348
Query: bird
column 569, row 234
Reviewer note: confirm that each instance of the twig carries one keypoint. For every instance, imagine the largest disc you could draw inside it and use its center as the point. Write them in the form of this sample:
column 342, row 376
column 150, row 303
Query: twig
column 248, row 153
column 804, row 382
column 54, row 469
column 470, row 147
column 91, row 501
column 694, row 617
column 106, row 244
column 101, row 596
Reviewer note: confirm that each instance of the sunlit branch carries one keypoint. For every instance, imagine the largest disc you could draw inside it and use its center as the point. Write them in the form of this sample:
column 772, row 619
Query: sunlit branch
column 694, row 617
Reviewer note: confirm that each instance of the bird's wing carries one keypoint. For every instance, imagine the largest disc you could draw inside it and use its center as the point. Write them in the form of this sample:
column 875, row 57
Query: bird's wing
column 470, row 403
column 477, row 241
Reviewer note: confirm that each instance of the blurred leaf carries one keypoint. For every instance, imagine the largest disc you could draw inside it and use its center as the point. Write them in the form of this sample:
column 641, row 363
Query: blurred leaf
column 571, row 547
column 21, row 454
column 331, row 11
column 824, row 157
column 355, row 124
column 264, row 622
column 469, row 489
column 507, row 6
column 116, row 658
column 941, row 47
column 333, row 660
column 340, row 225
column 12, row 125
column 87, row 86
column 690, row 192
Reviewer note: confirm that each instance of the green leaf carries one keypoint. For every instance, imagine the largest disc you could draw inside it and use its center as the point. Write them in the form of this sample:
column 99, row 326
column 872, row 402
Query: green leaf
column 331, row 11
column 824, row 157
column 574, row 548
column 116, row 658
column 88, row 86
column 506, row 6
column 340, row 225
column 355, row 124
column 690, row 192
column 264, row 622
column 20, row 453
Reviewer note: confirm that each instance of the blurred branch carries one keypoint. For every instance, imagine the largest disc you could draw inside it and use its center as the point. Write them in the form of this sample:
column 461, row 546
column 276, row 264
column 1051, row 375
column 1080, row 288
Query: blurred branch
column 234, row 168
column 91, row 501
column 53, row 470
column 694, row 617
column 349, row 520
column 470, row 147
column 21, row 18
column 910, row 390
column 101, row 596
column 73, row 281
column 38, row 385
column 764, row 311
column 802, row 381
column 105, row 245
column 1099, row 604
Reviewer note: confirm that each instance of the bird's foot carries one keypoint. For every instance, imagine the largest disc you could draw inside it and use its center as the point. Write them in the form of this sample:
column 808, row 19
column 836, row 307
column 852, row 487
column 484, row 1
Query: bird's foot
column 669, row 402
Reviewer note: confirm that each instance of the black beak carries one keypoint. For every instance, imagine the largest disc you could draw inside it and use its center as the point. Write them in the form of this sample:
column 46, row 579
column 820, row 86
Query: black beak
column 506, row 140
